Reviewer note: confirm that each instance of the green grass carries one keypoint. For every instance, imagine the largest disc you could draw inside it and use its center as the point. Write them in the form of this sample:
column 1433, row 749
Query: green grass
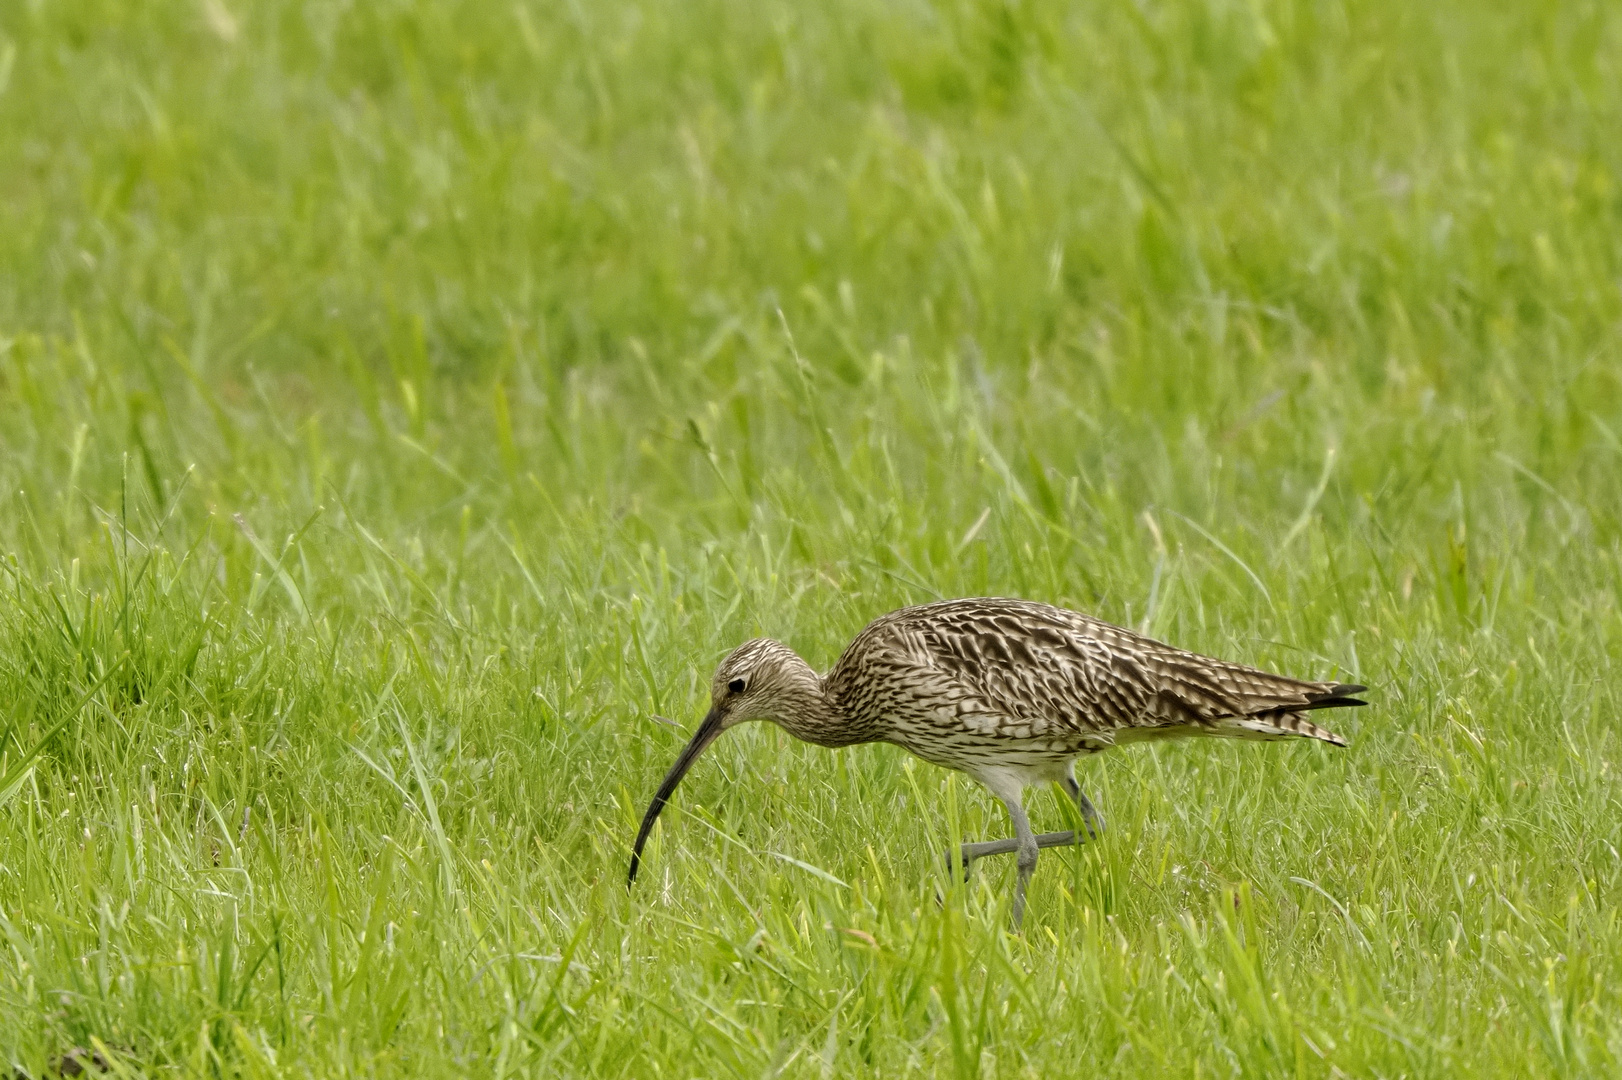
column 403, row 405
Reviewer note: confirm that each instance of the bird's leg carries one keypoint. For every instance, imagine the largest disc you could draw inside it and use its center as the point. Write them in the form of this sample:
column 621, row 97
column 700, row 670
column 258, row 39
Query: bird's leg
column 1089, row 814
column 1011, row 790
column 1028, row 850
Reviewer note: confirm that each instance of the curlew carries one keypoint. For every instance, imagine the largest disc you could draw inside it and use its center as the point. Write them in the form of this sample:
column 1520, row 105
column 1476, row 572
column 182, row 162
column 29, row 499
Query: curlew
column 1010, row 692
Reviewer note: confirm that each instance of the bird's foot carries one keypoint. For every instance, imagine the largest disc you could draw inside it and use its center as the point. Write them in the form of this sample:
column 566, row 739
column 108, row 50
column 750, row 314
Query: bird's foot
column 979, row 850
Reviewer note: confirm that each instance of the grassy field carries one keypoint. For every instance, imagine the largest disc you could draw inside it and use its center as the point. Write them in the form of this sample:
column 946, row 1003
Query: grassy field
column 403, row 405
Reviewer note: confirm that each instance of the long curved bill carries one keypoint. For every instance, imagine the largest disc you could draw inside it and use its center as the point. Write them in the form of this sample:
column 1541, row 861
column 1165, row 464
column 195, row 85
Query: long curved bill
column 706, row 734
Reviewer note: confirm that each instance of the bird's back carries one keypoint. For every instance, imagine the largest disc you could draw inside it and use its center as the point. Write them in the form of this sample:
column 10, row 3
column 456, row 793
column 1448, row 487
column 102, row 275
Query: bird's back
column 967, row 675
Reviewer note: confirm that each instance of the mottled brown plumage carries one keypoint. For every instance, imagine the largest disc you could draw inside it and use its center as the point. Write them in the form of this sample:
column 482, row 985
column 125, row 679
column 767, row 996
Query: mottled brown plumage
column 1010, row 692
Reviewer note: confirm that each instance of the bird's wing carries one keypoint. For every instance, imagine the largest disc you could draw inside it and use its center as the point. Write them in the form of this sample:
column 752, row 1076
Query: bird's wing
column 1033, row 670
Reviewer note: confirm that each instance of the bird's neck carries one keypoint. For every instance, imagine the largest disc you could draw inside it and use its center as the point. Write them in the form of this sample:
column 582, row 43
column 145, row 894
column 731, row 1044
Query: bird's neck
column 821, row 717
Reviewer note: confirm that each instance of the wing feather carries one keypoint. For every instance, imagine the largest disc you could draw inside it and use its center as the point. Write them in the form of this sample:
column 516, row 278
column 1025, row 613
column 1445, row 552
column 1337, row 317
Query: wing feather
column 1031, row 670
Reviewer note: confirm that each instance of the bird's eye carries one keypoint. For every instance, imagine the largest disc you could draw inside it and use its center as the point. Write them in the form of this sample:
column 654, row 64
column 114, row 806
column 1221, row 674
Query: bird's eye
column 736, row 686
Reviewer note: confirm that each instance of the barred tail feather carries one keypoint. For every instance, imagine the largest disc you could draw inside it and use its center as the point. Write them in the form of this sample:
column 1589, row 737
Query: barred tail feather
column 1276, row 726
column 1276, row 723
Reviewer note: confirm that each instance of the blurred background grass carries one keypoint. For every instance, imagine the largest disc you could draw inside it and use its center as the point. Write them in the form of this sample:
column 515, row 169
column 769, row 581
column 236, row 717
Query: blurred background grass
column 402, row 406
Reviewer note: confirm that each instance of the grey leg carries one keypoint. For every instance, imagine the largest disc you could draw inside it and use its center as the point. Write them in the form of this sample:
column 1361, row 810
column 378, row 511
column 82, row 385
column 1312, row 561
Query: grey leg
column 1089, row 814
column 1028, row 850
column 1010, row 789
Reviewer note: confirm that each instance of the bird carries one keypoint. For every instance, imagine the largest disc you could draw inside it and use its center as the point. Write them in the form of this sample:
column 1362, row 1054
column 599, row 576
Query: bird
column 1008, row 691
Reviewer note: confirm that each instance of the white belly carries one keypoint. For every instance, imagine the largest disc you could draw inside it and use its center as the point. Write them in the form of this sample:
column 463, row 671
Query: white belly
column 1044, row 759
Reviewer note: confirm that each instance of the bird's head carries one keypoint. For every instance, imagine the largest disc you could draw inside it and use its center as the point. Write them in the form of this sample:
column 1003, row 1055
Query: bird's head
column 762, row 680
column 759, row 680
